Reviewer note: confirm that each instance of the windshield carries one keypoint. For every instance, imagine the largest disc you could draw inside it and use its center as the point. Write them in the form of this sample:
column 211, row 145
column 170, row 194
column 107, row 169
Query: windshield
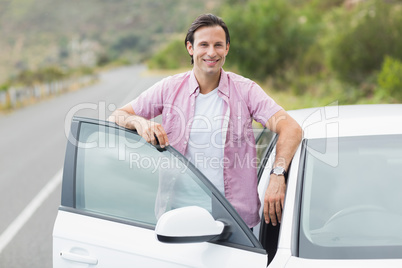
column 351, row 200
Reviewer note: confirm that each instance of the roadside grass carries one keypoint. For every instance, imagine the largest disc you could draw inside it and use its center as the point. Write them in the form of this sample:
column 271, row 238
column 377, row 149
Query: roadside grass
column 323, row 92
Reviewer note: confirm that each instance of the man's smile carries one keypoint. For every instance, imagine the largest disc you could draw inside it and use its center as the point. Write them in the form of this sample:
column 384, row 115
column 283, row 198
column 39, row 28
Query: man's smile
column 211, row 62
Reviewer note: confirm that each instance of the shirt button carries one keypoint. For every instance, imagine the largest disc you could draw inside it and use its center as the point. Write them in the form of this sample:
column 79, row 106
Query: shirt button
column 239, row 117
column 185, row 142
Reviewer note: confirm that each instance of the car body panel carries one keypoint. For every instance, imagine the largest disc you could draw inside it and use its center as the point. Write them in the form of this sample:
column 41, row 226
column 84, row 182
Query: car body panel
column 349, row 120
column 120, row 245
column 327, row 122
column 334, row 124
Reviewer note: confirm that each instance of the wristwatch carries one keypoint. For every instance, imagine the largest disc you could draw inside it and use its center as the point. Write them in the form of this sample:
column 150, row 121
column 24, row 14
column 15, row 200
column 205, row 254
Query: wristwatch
column 280, row 171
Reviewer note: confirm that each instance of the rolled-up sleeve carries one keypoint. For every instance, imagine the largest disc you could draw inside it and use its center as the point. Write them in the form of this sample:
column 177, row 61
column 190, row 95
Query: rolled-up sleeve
column 262, row 107
column 149, row 103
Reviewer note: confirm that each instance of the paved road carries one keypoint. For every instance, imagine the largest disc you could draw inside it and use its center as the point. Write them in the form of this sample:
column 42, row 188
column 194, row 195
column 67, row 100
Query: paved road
column 32, row 146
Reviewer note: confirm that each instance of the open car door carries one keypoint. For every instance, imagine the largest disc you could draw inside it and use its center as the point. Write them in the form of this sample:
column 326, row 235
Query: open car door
column 127, row 203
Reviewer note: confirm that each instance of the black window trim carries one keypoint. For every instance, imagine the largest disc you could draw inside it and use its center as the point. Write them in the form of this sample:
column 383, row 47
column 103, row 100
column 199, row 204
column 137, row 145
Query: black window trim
column 298, row 197
column 267, row 154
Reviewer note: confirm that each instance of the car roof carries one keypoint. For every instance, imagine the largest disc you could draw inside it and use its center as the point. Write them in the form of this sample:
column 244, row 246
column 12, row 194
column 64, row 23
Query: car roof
column 349, row 120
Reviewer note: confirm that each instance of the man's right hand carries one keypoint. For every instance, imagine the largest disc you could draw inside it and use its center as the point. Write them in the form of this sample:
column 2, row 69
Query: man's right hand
column 151, row 131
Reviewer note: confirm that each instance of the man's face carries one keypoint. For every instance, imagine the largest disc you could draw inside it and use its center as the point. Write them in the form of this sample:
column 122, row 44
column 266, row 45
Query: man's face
column 209, row 50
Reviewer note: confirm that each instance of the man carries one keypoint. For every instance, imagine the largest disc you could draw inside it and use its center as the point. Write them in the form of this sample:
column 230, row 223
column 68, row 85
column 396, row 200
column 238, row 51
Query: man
column 207, row 115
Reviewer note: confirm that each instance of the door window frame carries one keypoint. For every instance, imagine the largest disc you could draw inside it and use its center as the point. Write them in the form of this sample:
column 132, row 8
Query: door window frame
column 267, row 151
column 222, row 211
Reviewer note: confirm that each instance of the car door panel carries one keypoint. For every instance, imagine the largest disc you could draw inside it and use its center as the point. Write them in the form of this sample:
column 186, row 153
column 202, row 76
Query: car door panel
column 114, row 244
column 112, row 198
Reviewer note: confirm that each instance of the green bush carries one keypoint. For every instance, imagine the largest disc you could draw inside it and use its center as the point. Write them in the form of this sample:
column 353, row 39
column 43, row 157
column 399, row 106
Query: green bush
column 4, row 87
column 48, row 74
column 103, row 60
column 173, row 56
column 359, row 39
column 267, row 36
column 390, row 78
column 26, row 77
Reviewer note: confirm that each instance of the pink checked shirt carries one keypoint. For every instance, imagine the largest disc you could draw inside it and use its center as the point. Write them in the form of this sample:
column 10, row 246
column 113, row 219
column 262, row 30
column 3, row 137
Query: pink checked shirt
column 174, row 98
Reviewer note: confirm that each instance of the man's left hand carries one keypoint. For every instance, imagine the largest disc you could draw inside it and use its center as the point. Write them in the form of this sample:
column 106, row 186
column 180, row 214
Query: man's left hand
column 274, row 198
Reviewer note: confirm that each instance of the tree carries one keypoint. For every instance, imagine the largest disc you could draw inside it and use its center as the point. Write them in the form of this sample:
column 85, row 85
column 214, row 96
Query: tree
column 266, row 36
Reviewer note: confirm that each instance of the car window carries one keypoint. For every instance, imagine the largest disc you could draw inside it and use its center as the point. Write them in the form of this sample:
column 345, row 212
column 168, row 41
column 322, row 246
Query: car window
column 112, row 173
column 351, row 207
column 120, row 175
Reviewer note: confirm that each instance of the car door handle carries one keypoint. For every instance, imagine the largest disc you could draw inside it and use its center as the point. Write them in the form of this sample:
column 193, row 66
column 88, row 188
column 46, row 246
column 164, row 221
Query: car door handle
column 78, row 258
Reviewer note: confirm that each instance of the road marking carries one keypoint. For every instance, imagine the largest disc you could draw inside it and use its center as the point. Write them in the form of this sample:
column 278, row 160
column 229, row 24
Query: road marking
column 29, row 210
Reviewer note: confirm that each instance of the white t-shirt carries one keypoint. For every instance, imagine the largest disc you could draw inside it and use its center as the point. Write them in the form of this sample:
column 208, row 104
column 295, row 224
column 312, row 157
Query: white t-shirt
column 206, row 145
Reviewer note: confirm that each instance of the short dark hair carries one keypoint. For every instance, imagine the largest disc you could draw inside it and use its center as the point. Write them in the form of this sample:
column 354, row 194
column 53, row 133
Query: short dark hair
column 208, row 20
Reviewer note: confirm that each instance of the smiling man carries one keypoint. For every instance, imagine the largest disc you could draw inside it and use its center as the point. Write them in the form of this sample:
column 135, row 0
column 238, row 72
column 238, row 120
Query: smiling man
column 207, row 116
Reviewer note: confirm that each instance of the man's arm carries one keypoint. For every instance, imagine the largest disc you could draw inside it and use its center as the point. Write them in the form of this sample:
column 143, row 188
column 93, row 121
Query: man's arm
column 149, row 130
column 290, row 135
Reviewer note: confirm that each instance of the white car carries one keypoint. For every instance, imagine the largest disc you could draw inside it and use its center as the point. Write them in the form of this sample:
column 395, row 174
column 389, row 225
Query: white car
column 343, row 205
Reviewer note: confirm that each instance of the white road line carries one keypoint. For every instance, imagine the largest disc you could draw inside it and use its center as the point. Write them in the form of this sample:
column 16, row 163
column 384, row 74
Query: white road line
column 29, row 210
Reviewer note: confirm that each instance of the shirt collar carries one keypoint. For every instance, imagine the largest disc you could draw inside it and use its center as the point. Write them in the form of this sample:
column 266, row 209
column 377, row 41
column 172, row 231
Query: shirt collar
column 223, row 86
column 224, row 83
column 194, row 88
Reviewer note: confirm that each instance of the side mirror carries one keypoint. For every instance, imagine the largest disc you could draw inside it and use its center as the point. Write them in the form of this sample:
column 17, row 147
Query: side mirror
column 188, row 225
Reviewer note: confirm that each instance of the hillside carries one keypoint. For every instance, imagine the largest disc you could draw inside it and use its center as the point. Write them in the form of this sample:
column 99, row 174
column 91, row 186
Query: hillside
column 37, row 33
